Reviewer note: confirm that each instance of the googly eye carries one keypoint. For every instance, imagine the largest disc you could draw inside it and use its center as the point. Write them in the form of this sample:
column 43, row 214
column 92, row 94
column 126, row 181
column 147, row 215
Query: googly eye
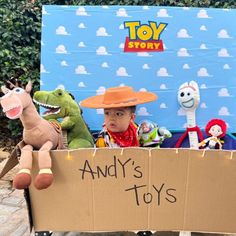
column 18, row 90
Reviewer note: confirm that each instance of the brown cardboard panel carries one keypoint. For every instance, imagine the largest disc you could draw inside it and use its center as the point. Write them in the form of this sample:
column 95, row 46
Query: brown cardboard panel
column 211, row 192
column 168, row 175
column 138, row 189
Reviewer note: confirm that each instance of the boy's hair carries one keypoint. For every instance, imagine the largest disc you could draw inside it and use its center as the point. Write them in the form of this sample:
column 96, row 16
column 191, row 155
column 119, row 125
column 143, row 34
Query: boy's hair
column 132, row 109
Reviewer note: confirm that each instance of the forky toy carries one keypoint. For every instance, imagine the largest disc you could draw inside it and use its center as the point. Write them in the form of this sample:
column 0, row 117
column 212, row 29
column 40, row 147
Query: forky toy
column 189, row 98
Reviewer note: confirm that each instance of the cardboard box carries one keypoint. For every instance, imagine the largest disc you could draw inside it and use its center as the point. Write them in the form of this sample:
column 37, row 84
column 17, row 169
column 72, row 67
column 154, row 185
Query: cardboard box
column 138, row 189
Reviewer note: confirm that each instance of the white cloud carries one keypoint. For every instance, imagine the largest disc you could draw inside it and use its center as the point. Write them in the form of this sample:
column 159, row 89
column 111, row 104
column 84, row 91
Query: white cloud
column 186, row 66
column 183, row 52
column 81, row 45
column 146, row 66
column 202, row 14
column 101, row 90
column 163, row 86
column 61, row 30
column 162, row 13
column 163, row 106
column 42, row 69
column 203, row 86
column 105, row 7
column 121, row 26
column 162, row 72
column 186, row 8
column 223, row 53
column 81, row 70
column 41, row 82
column 101, row 32
column 81, row 12
column 143, row 90
column 60, row 86
column 81, row 84
column 203, row 105
column 102, row 51
column 146, row 8
column 203, row 46
column 143, row 54
column 44, row 12
column 224, row 111
column 223, row 92
column 122, row 72
column 142, row 111
column 121, row 45
column 64, row 63
column 122, row 13
column 42, row 43
column 122, row 85
column 81, row 26
column 100, row 111
column 203, row 28
column 183, row 33
column 226, row 67
column 181, row 112
column 223, row 34
column 61, row 49
column 203, row 72
column 105, row 65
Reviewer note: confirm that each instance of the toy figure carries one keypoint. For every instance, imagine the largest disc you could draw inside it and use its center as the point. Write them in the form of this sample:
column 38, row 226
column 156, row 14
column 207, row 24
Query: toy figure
column 216, row 129
column 150, row 135
column 188, row 98
column 119, row 105
column 61, row 105
column 38, row 133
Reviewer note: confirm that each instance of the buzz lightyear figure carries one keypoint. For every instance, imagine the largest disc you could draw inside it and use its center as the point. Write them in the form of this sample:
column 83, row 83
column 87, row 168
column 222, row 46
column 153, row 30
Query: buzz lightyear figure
column 150, row 135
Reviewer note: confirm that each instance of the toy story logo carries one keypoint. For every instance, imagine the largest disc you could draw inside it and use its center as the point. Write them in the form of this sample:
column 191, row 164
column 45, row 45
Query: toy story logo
column 144, row 37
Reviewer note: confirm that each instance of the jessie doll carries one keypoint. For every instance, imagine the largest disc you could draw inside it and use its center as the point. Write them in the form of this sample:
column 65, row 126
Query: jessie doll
column 216, row 129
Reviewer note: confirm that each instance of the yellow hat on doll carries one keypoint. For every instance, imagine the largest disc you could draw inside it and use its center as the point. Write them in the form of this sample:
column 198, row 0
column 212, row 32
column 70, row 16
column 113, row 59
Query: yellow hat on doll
column 114, row 97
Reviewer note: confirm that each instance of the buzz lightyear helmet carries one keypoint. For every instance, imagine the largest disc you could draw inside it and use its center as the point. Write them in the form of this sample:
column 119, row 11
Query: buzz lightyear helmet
column 146, row 126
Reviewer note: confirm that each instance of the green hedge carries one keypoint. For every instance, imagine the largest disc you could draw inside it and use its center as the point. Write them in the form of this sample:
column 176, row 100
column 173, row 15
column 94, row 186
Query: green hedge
column 20, row 33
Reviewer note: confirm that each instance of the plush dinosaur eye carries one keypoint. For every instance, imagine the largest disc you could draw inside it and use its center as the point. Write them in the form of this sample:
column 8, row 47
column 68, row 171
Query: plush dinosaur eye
column 18, row 90
column 59, row 93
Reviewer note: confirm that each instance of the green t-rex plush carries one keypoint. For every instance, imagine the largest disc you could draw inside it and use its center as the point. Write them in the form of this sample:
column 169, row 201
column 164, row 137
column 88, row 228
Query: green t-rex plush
column 61, row 105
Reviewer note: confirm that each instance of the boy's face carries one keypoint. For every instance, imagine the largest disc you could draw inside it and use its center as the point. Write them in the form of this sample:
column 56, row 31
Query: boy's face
column 118, row 119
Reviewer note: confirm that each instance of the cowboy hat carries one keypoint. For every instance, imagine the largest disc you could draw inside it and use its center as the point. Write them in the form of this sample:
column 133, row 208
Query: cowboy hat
column 123, row 96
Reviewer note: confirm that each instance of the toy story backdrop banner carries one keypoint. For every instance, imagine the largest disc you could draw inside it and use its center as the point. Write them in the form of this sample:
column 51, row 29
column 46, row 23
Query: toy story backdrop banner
column 86, row 49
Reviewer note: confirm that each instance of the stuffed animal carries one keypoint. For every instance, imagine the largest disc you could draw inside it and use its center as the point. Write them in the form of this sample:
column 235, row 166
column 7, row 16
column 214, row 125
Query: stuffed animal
column 38, row 134
column 189, row 98
column 60, row 105
column 216, row 129
column 150, row 135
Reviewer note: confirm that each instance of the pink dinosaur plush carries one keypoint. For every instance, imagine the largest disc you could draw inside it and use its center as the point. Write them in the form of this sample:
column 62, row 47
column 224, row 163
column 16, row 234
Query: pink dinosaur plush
column 38, row 134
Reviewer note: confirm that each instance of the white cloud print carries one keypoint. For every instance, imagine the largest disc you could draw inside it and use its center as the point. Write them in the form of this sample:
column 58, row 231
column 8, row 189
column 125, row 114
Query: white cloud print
column 81, row 84
column 186, row 66
column 203, row 46
column 181, row 112
column 143, row 54
column 121, row 26
column 226, row 67
column 61, row 49
column 64, row 63
column 61, row 30
column 105, row 65
column 142, row 111
column 162, row 72
column 145, row 67
column 203, row 86
column 81, row 26
column 101, row 90
column 81, row 45
column 203, row 105
column 223, row 34
column 42, row 69
column 163, row 86
column 223, row 92
column 162, row 13
column 102, row 51
column 224, row 111
column 202, row 14
column 223, row 53
column 122, row 13
column 122, row 72
column 183, row 33
column 163, row 106
column 203, row 28
column 81, row 70
column 183, row 52
column 44, row 12
column 81, row 12
column 101, row 32
column 122, row 45
column 203, row 72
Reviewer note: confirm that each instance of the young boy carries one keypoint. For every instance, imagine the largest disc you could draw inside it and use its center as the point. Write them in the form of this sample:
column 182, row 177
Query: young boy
column 119, row 104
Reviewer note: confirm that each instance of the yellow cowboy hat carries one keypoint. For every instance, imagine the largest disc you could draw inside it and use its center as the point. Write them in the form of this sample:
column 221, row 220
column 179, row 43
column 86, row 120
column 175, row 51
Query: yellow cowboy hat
column 114, row 97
